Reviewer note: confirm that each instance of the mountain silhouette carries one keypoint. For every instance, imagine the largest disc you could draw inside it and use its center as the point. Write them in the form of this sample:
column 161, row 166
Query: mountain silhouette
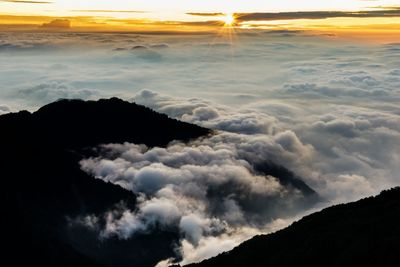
column 43, row 187
column 362, row 233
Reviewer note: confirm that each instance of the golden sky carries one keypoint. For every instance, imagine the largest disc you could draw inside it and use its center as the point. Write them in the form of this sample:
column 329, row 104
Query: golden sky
column 202, row 15
column 167, row 8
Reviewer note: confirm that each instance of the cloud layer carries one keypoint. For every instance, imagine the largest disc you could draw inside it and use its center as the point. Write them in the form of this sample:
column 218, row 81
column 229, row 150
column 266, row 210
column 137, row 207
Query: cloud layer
column 323, row 108
column 210, row 190
column 328, row 145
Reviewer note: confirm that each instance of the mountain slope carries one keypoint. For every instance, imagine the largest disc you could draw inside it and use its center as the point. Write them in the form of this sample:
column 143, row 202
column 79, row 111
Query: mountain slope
column 363, row 233
column 43, row 187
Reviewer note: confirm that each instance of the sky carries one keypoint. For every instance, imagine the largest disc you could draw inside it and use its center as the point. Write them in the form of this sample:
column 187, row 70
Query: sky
column 378, row 16
column 62, row 7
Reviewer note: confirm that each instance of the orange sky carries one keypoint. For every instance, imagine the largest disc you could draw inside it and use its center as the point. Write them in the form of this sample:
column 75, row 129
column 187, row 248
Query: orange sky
column 375, row 20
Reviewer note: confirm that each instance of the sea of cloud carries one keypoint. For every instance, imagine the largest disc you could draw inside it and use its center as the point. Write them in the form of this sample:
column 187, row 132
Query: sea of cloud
column 326, row 109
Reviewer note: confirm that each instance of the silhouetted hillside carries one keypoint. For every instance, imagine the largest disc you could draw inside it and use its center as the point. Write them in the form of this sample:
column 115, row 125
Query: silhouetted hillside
column 363, row 233
column 43, row 186
column 77, row 124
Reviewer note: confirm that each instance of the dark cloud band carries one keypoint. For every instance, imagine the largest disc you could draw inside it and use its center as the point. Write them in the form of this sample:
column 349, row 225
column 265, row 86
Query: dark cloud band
column 382, row 12
column 205, row 14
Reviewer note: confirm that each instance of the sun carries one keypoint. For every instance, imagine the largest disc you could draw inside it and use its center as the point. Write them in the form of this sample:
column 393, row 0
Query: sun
column 228, row 19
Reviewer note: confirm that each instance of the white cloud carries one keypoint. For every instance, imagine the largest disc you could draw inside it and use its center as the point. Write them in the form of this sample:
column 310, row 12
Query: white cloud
column 48, row 92
column 207, row 189
column 209, row 114
column 344, row 152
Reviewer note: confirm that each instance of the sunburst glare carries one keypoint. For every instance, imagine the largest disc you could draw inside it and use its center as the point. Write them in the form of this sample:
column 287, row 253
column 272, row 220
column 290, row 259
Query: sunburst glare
column 228, row 20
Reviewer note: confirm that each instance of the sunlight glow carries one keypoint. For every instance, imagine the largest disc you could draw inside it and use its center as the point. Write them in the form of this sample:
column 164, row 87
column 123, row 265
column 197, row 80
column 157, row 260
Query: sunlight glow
column 201, row 16
column 228, row 20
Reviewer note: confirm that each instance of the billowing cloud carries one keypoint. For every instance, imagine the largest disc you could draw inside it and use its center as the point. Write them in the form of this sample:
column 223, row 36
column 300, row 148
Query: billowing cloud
column 340, row 143
column 208, row 189
column 207, row 114
column 211, row 190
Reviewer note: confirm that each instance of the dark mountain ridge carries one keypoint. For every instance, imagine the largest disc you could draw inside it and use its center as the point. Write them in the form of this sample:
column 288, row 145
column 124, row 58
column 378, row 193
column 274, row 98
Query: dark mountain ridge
column 43, row 186
column 77, row 124
column 362, row 233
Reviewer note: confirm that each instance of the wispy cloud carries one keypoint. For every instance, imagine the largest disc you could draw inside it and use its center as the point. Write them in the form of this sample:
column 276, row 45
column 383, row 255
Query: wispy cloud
column 26, row 2
column 387, row 7
column 108, row 11
column 205, row 14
